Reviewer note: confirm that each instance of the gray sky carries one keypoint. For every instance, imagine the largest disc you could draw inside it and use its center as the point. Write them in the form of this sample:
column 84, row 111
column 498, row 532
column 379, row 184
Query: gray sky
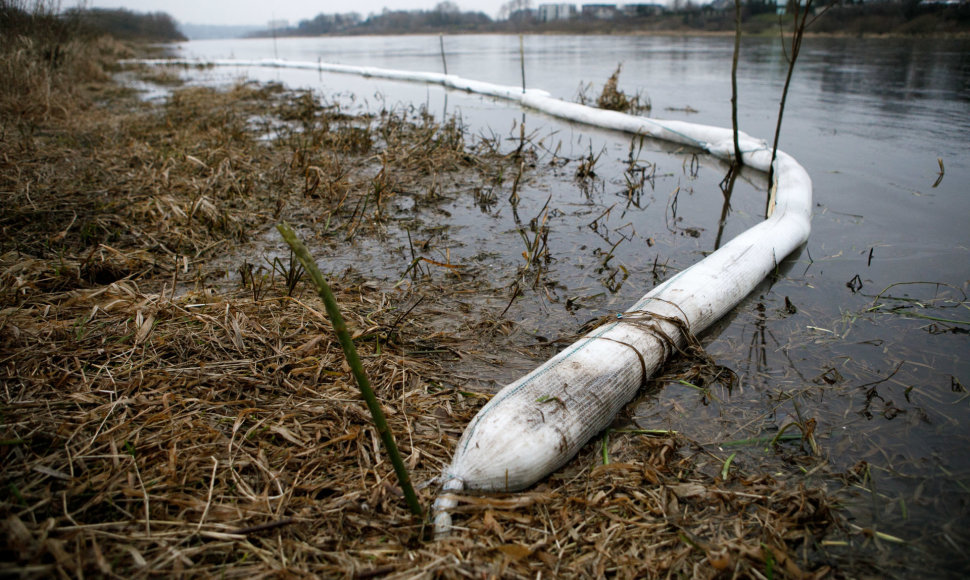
column 261, row 11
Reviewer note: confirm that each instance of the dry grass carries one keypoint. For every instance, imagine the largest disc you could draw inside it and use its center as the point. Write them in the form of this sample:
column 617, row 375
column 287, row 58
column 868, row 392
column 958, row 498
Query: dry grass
column 218, row 435
column 612, row 98
column 158, row 423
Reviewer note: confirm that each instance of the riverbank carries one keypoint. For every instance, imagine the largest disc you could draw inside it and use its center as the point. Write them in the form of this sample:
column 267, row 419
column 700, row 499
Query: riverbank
column 164, row 415
column 178, row 400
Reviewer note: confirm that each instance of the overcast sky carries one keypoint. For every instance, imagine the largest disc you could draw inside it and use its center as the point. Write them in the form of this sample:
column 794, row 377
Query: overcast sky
column 260, row 12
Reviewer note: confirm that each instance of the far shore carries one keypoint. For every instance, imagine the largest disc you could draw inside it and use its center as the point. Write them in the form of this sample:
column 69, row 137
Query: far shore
column 869, row 21
column 667, row 33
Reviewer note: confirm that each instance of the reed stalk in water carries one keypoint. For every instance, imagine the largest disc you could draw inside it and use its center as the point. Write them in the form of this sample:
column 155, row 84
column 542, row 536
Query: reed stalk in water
column 734, row 82
column 800, row 22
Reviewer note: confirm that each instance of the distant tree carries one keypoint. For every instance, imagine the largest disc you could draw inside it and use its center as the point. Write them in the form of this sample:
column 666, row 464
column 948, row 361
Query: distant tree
column 128, row 25
column 753, row 7
column 447, row 8
column 326, row 24
column 512, row 7
column 444, row 14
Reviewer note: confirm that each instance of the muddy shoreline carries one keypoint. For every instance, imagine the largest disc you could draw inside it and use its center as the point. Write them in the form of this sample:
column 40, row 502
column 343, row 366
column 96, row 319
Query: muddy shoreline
column 174, row 405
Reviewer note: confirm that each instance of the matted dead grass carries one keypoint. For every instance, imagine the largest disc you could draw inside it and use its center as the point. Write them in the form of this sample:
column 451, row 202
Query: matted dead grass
column 158, row 423
column 215, row 435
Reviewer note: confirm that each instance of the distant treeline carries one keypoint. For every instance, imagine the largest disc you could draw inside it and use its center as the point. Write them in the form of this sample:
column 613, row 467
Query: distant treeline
column 32, row 17
column 126, row 25
column 445, row 16
column 908, row 17
column 915, row 17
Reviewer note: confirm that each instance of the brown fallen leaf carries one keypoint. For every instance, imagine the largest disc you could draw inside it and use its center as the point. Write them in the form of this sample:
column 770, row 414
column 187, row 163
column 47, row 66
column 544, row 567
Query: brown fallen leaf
column 514, row 551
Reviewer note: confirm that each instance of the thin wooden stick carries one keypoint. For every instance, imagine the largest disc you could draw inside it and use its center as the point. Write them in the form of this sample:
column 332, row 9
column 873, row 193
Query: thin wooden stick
column 262, row 527
column 333, row 311
column 444, row 63
column 738, row 160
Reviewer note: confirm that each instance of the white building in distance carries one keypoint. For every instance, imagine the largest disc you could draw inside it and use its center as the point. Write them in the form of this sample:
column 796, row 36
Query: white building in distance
column 551, row 12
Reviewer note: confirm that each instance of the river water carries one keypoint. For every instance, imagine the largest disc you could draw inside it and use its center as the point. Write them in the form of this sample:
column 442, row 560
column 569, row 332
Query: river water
column 863, row 330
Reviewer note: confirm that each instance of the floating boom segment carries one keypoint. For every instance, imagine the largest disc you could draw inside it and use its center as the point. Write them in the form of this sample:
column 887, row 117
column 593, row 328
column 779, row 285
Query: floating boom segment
column 535, row 425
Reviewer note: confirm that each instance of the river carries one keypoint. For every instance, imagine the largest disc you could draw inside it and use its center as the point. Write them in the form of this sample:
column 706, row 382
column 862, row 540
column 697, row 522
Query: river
column 843, row 334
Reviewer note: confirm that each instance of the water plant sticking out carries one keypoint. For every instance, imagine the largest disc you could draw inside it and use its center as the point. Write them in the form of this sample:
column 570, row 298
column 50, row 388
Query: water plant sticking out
column 586, row 170
column 614, row 99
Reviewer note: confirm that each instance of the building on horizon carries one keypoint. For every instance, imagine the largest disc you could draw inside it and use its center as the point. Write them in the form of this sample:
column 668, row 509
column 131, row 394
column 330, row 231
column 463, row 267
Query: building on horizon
column 552, row 12
column 600, row 11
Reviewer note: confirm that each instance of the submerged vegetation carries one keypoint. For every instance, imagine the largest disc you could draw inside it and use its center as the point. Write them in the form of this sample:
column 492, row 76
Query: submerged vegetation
column 162, row 415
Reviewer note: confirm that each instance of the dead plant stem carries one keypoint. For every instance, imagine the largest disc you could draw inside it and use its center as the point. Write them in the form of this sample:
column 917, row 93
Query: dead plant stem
column 734, row 82
column 336, row 319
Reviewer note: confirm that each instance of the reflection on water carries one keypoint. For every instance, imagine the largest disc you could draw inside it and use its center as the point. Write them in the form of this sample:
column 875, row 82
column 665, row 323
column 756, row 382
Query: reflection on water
column 880, row 370
column 900, row 71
